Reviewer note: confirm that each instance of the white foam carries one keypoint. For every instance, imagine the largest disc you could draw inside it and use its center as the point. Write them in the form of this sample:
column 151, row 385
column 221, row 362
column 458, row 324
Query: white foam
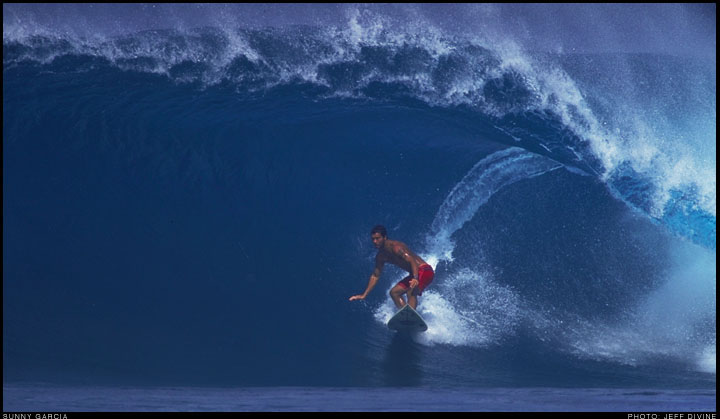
column 465, row 309
column 445, row 324
column 706, row 359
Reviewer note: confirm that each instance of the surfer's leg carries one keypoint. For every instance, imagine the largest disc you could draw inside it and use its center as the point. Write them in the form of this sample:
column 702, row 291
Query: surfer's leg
column 425, row 277
column 412, row 298
column 396, row 294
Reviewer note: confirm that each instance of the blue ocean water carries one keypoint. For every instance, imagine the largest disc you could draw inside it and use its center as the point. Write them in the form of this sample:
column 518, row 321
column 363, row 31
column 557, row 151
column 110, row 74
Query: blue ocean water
column 48, row 398
column 190, row 207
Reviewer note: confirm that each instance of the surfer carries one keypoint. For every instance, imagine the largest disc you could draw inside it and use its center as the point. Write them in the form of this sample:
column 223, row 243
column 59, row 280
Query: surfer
column 397, row 253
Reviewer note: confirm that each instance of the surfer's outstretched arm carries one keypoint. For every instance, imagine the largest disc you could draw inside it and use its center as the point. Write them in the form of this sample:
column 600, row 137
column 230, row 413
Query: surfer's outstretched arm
column 379, row 263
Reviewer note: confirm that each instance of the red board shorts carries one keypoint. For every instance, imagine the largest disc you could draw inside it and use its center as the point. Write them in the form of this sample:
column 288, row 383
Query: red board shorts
column 425, row 277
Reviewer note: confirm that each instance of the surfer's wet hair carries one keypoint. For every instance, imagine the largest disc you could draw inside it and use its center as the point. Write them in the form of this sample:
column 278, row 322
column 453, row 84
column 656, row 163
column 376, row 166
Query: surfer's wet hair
column 379, row 229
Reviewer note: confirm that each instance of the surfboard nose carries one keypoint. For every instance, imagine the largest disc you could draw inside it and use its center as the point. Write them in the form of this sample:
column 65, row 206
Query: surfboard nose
column 407, row 320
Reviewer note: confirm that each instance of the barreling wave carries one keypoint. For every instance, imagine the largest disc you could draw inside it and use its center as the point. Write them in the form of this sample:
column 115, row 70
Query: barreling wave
column 543, row 126
column 533, row 100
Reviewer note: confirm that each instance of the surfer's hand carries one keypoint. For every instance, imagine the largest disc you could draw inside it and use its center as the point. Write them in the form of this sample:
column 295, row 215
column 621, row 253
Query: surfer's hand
column 414, row 283
column 357, row 297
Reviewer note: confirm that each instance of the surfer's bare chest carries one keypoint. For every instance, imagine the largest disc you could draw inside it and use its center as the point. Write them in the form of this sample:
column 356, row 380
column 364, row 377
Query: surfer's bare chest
column 396, row 254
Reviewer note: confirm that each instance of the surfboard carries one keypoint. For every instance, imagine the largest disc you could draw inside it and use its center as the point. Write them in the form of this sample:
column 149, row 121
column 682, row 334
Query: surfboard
column 407, row 320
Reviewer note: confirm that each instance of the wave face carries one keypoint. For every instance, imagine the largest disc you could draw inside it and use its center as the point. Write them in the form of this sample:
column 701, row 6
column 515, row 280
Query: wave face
column 194, row 205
